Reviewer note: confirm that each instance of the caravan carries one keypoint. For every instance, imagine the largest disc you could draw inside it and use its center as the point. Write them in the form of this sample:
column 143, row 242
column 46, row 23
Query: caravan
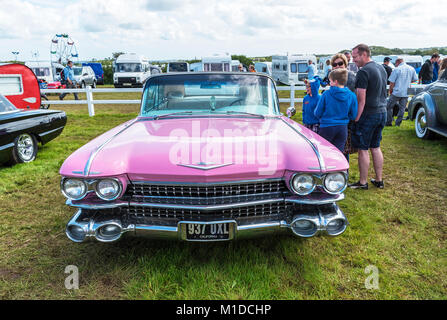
column 131, row 70
column 177, row 66
column 216, row 63
column 291, row 68
column 264, row 67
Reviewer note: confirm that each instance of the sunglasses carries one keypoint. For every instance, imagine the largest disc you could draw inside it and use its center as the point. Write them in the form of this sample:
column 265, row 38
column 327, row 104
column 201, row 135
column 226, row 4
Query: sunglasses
column 341, row 63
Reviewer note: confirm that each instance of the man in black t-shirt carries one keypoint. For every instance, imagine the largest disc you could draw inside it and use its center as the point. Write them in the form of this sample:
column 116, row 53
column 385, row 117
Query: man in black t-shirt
column 370, row 84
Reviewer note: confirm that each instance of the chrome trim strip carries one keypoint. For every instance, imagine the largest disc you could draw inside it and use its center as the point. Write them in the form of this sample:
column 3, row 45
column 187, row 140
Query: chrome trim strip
column 328, row 200
column 51, row 131
column 98, row 206
column 204, row 184
column 97, row 150
column 204, row 167
column 6, row 146
column 314, row 147
column 204, row 208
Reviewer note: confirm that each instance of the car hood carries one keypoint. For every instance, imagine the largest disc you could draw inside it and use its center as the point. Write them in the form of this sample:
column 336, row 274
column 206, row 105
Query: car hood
column 205, row 150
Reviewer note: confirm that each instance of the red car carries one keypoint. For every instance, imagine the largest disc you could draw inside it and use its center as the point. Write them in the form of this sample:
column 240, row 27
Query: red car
column 19, row 85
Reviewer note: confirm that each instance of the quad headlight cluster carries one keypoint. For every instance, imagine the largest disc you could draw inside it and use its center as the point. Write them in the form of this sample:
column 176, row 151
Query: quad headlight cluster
column 106, row 189
column 304, row 183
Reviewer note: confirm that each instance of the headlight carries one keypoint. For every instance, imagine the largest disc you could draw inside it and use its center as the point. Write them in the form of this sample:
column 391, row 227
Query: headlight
column 303, row 184
column 74, row 189
column 334, row 183
column 108, row 189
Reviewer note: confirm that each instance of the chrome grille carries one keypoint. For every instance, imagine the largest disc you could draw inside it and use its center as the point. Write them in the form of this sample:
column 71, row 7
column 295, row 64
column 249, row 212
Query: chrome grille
column 261, row 210
column 206, row 194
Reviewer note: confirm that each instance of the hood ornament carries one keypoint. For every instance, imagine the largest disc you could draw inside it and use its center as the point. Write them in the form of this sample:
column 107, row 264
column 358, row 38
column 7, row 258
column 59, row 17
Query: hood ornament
column 205, row 166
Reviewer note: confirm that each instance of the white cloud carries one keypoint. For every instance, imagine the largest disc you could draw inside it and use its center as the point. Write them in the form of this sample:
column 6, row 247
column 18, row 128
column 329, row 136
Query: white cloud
column 185, row 28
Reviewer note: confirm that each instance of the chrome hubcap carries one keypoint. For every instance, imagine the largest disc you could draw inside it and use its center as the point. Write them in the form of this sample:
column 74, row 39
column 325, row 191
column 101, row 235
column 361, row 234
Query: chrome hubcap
column 421, row 123
column 25, row 147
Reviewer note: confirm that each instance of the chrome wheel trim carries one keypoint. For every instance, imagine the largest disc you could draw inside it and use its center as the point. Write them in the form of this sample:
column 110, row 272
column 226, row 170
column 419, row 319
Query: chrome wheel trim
column 421, row 123
column 25, row 147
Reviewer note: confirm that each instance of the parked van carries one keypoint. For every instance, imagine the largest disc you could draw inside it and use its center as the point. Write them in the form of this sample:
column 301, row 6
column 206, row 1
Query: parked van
column 97, row 69
column 291, row 68
column 178, row 66
column 264, row 67
column 130, row 70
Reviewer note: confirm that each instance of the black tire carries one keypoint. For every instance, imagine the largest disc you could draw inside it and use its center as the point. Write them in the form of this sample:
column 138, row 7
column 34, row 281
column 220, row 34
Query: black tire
column 44, row 106
column 420, row 125
column 25, row 148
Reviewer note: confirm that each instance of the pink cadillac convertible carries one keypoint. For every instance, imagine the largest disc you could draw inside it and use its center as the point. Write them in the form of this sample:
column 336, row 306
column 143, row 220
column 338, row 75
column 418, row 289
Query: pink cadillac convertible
column 209, row 158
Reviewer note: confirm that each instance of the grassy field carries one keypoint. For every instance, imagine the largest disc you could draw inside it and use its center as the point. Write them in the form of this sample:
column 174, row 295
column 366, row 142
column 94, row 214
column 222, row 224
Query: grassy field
column 401, row 230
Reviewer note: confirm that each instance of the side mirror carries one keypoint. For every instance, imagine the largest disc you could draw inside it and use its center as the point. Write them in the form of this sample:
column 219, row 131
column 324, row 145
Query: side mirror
column 85, row 74
column 291, row 112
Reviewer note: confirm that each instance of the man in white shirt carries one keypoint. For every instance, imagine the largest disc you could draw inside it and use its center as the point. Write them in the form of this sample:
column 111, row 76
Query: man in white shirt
column 400, row 79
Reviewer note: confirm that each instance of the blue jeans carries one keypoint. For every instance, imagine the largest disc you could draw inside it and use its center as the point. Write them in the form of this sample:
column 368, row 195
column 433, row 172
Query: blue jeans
column 336, row 135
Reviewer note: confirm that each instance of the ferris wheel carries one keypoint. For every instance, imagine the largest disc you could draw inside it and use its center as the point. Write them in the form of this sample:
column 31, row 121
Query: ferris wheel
column 63, row 48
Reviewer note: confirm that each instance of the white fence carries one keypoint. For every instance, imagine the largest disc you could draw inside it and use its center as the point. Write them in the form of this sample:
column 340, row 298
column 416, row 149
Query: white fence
column 90, row 102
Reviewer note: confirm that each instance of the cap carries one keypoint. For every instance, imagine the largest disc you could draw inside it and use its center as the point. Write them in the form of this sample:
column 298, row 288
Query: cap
column 386, row 59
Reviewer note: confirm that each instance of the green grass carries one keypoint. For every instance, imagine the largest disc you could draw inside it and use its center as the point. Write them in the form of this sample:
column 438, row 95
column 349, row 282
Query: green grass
column 401, row 230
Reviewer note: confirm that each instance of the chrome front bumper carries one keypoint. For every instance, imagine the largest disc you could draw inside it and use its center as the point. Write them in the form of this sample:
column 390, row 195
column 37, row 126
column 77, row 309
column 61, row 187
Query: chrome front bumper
column 85, row 226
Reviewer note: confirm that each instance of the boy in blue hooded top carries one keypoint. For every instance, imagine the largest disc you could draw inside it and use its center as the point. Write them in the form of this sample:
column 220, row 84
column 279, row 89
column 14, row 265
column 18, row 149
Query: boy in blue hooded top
column 310, row 102
column 336, row 107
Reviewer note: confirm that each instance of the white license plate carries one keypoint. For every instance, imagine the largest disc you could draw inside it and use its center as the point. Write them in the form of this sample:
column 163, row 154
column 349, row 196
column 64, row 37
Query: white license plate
column 127, row 84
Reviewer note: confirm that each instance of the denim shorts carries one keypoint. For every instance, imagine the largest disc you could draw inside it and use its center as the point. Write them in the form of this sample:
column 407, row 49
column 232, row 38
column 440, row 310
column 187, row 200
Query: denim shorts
column 367, row 132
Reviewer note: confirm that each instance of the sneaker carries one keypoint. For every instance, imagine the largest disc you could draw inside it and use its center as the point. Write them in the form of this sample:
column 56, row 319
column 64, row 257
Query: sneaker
column 378, row 184
column 358, row 185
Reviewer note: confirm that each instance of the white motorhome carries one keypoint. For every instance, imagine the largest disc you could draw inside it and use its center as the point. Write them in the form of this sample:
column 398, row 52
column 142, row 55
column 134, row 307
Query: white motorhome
column 178, row 66
column 45, row 70
column 291, row 68
column 131, row 70
column 216, row 63
column 264, row 67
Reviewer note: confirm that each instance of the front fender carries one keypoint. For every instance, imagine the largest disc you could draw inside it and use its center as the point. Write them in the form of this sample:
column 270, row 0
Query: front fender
column 425, row 100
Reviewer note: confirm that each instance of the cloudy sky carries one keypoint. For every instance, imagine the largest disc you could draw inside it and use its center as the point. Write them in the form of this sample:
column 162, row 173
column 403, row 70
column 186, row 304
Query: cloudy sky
column 175, row 29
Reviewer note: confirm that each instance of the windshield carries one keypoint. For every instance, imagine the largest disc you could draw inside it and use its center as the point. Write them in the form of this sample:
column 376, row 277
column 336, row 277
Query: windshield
column 178, row 67
column 209, row 94
column 5, row 105
column 128, row 67
column 41, row 72
column 77, row 71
